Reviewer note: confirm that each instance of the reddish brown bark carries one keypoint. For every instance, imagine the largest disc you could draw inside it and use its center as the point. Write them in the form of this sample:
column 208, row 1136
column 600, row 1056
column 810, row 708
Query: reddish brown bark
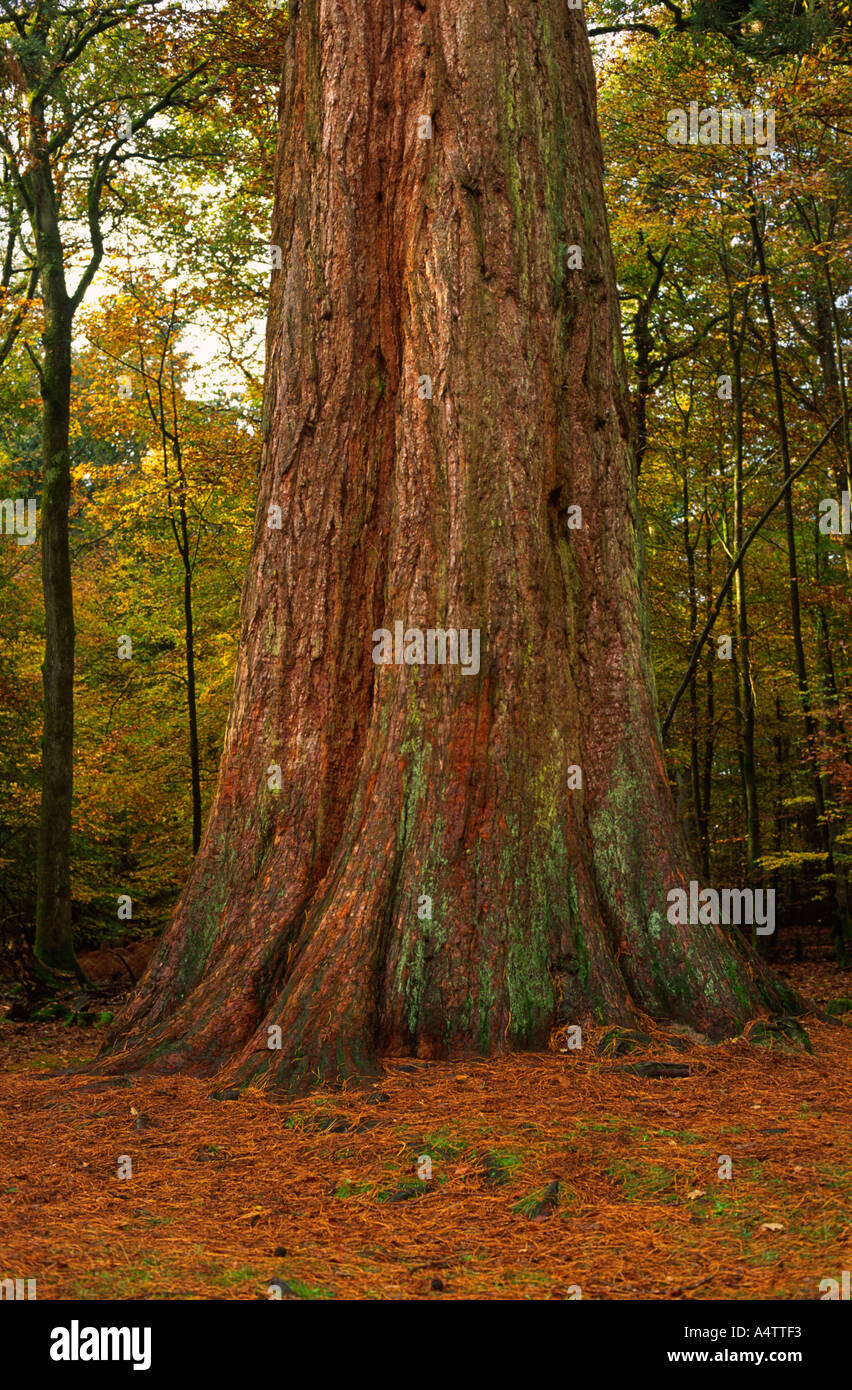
column 448, row 257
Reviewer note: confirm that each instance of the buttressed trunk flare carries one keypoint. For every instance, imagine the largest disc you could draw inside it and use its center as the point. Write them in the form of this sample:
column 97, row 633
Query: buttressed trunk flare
column 447, row 860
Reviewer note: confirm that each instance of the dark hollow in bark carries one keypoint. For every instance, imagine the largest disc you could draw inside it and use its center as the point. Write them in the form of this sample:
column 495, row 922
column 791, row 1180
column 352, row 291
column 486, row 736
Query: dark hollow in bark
column 448, row 257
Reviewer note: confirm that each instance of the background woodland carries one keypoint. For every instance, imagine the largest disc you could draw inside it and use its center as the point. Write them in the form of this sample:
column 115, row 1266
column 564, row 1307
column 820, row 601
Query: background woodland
column 733, row 265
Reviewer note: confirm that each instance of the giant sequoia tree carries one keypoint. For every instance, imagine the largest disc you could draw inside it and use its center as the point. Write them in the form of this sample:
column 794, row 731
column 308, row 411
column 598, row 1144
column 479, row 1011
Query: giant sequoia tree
column 474, row 253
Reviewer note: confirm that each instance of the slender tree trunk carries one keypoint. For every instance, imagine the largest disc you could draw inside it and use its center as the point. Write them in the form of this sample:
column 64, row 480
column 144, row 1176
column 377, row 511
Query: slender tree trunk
column 749, row 762
column 53, row 939
column 690, row 546
column 828, row 341
column 172, row 453
column 185, row 552
column 643, row 343
column 842, row 930
column 836, row 399
column 835, row 361
column 781, row 743
column 709, row 700
column 53, row 933
column 400, row 857
column 191, row 694
column 831, row 695
column 736, row 692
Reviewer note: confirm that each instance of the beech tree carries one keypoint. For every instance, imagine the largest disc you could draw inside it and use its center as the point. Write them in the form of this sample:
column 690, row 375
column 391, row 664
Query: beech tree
column 437, row 858
column 66, row 135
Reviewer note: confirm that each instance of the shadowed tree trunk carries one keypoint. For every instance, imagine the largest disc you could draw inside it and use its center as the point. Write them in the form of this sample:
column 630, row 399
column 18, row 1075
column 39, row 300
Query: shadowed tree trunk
column 744, row 697
column 405, row 787
column 841, row 929
column 54, row 942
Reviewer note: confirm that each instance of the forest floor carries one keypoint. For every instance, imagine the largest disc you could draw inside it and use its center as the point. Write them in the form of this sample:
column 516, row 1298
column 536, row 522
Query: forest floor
column 322, row 1193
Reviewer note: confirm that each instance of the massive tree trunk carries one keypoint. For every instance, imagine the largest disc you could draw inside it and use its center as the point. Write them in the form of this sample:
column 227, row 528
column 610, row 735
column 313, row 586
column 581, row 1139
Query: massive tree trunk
column 409, row 786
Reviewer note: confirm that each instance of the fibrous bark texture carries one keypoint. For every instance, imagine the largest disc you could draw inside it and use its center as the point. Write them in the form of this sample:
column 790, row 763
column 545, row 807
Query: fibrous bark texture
column 445, row 387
